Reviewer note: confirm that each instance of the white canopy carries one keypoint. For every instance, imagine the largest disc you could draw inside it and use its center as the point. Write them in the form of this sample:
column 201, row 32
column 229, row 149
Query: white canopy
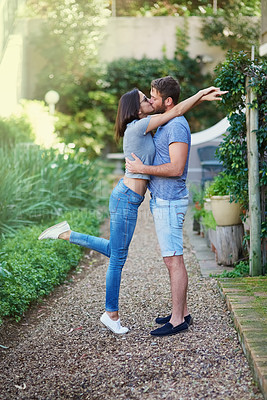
column 211, row 133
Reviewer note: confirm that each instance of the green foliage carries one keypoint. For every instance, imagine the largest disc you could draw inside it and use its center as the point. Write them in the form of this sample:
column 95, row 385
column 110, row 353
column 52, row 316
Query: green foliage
column 182, row 41
column 91, row 126
column 165, row 8
column 73, row 94
column 183, row 7
column 88, row 130
column 198, row 213
column 104, row 101
column 229, row 26
column 139, row 73
column 160, row 8
column 221, row 185
column 69, row 41
column 230, row 29
column 198, row 199
column 240, row 269
column 197, row 194
column 231, row 75
column 208, row 220
column 39, row 184
column 15, row 130
column 30, row 269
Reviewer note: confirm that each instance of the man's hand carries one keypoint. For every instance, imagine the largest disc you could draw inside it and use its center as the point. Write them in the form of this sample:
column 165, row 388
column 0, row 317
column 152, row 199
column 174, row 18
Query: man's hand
column 178, row 154
column 134, row 166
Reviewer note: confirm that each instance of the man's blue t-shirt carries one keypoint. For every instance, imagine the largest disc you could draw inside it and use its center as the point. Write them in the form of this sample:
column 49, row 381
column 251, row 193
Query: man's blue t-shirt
column 170, row 188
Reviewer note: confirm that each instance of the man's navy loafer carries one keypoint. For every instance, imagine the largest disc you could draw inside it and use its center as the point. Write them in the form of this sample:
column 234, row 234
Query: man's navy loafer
column 164, row 320
column 168, row 329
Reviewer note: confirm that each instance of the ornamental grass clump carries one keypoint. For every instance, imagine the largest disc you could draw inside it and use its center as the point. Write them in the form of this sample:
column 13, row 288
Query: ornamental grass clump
column 37, row 185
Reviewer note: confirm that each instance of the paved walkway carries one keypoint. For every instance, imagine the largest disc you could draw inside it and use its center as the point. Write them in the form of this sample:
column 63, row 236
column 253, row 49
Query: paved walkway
column 61, row 351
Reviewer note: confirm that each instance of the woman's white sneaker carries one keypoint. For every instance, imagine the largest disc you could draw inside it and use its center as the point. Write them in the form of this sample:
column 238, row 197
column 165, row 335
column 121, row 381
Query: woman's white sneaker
column 54, row 231
column 114, row 326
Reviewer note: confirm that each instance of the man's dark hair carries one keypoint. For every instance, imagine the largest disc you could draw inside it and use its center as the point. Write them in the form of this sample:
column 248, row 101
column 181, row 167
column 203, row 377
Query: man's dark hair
column 167, row 87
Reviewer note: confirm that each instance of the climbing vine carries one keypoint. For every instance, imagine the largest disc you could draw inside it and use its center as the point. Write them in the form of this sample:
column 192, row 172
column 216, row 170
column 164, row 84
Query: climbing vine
column 231, row 76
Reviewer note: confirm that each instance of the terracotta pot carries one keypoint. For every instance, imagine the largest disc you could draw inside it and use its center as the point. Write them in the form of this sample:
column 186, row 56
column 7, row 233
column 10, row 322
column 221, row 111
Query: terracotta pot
column 224, row 212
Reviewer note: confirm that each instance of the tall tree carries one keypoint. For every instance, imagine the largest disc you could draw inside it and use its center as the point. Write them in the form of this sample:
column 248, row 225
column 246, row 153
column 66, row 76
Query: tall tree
column 70, row 37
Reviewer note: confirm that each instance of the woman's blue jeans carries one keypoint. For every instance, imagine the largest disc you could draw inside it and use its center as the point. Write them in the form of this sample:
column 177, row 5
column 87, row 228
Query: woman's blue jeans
column 123, row 209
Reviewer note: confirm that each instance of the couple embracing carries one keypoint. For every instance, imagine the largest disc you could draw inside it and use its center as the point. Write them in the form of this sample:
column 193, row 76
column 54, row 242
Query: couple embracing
column 158, row 162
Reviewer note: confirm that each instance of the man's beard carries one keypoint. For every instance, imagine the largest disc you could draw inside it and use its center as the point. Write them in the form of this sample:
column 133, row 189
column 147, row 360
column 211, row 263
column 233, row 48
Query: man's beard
column 161, row 109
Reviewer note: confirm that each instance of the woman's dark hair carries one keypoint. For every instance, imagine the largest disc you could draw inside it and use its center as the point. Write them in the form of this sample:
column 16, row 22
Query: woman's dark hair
column 128, row 109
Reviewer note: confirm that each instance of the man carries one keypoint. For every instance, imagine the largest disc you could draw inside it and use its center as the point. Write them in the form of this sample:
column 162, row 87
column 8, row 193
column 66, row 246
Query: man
column 169, row 198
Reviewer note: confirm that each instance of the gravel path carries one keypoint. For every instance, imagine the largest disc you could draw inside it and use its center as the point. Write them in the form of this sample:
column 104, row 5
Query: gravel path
column 60, row 350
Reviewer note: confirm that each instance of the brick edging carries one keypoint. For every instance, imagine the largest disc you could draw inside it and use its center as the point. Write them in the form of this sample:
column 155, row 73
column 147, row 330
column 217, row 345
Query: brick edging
column 259, row 374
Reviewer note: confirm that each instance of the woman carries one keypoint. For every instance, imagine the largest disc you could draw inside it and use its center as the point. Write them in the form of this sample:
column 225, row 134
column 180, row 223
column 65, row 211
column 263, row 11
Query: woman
column 134, row 124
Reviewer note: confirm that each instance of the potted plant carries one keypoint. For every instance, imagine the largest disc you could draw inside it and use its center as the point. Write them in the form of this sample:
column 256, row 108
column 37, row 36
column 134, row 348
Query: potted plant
column 198, row 210
column 225, row 209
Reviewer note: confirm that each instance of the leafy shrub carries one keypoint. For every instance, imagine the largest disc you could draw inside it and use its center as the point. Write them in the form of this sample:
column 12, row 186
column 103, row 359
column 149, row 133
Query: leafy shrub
column 68, row 43
column 240, row 269
column 208, row 220
column 233, row 26
column 140, row 73
column 30, row 269
column 15, row 130
column 184, row 7
column 220, row 186
column 89, row 130
column 231, row 75
column 92, row 106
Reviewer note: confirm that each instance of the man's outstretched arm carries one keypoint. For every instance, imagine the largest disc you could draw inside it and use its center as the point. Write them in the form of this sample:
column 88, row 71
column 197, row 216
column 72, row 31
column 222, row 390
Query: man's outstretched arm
column 178, row 154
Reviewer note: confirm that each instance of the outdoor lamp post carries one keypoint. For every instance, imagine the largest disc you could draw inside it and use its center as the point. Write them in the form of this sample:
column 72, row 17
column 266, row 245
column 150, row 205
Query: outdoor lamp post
column 51, row 99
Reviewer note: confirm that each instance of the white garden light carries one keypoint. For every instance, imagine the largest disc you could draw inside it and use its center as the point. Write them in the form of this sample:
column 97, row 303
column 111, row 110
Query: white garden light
column 51, row 98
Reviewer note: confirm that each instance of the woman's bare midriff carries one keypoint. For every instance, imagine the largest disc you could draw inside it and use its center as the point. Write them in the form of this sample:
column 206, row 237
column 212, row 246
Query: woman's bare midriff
column 136, row 185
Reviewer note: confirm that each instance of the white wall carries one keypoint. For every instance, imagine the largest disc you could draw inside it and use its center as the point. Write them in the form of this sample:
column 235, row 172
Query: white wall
column 146, row 36
column 125, row 37
column 12, row 72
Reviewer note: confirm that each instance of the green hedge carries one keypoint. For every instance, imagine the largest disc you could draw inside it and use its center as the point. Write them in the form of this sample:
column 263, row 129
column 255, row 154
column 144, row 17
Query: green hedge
column 140, row 73
column 15, row 130
column 30, row 269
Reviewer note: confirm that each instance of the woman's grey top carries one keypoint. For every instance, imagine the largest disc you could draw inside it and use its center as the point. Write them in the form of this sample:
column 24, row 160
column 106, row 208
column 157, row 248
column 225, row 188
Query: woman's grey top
column 137, row 141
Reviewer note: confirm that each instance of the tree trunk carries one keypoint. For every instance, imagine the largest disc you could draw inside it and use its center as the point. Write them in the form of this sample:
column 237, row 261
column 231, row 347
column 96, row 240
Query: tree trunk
column 227, row 241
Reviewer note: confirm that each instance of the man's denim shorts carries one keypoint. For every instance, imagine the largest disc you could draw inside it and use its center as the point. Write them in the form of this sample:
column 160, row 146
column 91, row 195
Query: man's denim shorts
column 169, row 218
